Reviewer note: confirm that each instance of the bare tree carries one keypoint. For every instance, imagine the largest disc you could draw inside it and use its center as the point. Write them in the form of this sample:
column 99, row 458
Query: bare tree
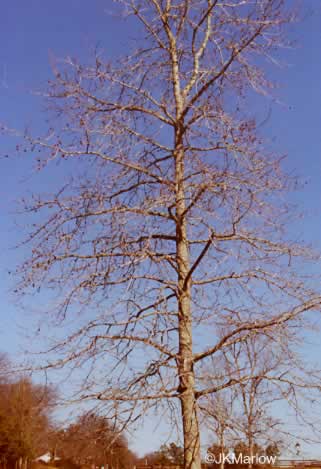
column 219, row 416
column 244, row 412
column 168, row 243
column 268, row 374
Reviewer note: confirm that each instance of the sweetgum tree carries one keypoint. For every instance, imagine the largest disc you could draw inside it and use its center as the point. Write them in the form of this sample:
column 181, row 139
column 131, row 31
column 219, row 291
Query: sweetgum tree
column 169, row 238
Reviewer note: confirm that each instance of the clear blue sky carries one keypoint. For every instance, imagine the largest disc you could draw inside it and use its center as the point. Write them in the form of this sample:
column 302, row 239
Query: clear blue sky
column 32, row 31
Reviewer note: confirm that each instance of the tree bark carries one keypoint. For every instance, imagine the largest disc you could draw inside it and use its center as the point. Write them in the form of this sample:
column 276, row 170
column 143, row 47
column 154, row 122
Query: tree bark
column 192, row 457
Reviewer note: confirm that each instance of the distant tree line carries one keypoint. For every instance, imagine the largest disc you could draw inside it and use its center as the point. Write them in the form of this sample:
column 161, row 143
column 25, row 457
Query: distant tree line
column 167, row 455
column 28, row 431
column 91, row 441
column 25, row 423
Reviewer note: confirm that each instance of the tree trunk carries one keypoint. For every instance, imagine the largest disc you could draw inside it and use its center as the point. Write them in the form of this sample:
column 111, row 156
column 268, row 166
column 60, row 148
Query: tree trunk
column 192, row 457
column 222, row 447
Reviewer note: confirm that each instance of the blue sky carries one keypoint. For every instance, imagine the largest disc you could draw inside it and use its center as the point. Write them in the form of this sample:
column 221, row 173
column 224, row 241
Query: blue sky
column 34, row 31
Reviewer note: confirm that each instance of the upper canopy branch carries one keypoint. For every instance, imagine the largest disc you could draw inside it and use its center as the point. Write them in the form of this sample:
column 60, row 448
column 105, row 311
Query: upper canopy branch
column 259, row 326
